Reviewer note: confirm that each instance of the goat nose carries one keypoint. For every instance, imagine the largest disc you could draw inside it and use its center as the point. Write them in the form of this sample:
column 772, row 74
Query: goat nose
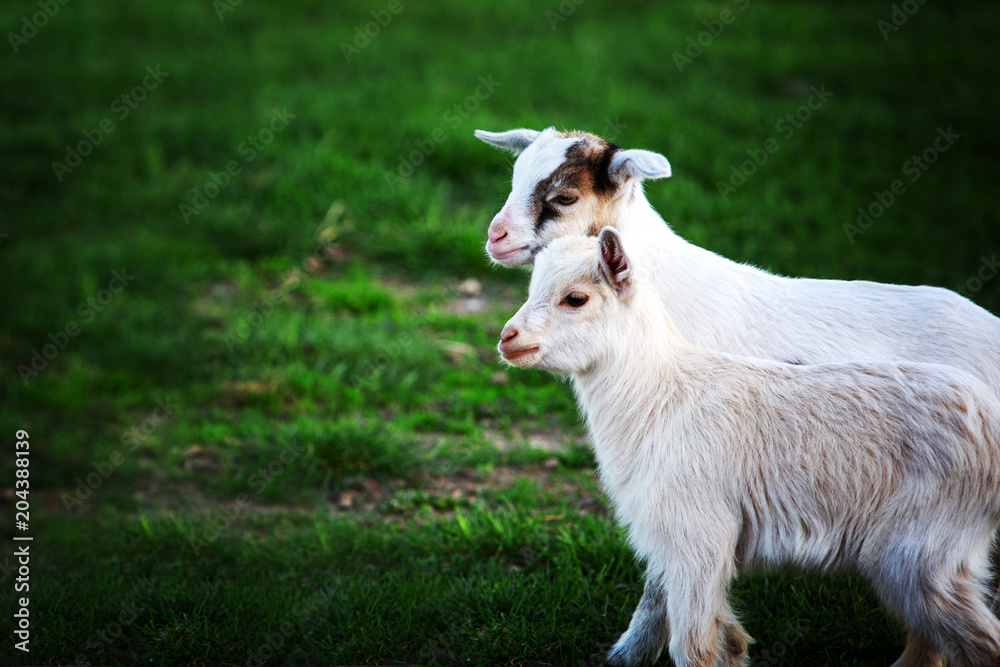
column 498, row 227
column 497, row 234
column 509, row 333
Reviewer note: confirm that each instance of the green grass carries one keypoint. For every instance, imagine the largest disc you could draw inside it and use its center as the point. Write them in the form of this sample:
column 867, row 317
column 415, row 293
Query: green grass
column 305, row 436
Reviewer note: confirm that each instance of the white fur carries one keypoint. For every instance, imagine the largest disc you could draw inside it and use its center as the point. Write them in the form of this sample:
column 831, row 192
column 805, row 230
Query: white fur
column 722, row 305
column 718, row 464
column 731, row 307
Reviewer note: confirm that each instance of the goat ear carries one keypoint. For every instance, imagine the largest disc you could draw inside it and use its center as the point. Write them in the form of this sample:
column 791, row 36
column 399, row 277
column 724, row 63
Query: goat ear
column 511, row 140
column 637, row 163
column 615, row 265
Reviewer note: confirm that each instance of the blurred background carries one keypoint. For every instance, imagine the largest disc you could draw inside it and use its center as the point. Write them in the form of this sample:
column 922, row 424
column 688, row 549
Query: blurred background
column 250, row 328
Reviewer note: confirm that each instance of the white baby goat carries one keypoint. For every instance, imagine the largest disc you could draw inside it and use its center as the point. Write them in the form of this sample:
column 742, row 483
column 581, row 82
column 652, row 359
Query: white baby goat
column 718, row 464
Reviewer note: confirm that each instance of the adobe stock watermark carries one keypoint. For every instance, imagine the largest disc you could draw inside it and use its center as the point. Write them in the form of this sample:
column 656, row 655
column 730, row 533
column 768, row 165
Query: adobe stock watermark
column 223, row 7
column 256, row 315
column 562, row 13
column 775, row 653
column 121, row 107
column 218, row 521
column 130, row 439
column 248, row 324
column 6, row 569
column 453, row 117
column 98, row 643
column 900, row 14
column 372, row 369
column 363, row 35
column 59, row 339
column 988, row 269
column 713, row 29
column 264, row 475
column 914, row 168
column 612, row 129
column 786, row 128
column 31, row 25
column 248, row 150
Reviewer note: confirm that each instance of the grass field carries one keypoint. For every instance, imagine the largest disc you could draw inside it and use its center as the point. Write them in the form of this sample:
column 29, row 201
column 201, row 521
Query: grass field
column 266, row 418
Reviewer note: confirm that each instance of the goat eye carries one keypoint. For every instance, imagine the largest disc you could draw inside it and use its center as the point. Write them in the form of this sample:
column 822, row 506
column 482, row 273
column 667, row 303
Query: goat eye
column 565, row 200
column 575, row 300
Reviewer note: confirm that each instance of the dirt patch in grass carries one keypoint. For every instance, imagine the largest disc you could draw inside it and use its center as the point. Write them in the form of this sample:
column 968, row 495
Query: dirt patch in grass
column 445, row 493
column 548, row 484
column 549, row 440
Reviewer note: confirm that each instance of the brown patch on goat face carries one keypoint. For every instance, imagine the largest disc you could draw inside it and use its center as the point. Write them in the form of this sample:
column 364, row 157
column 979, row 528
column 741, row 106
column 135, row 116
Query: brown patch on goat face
column 585, row 170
